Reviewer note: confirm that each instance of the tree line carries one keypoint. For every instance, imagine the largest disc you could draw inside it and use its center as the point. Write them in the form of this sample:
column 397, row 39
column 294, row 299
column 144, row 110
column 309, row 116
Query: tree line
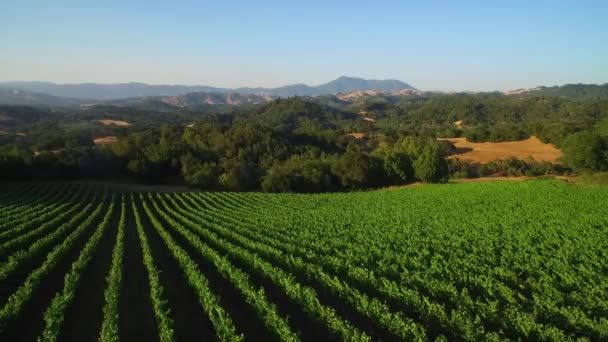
column 304, row 145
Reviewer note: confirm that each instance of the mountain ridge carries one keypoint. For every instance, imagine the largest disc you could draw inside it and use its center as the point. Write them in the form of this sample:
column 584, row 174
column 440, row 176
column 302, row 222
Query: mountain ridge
column 116, row 91
column 332, row 92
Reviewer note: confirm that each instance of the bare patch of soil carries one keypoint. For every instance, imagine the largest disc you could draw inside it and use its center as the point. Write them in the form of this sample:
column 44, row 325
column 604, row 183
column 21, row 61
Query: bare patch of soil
column 356, row 135
column 105, row 140
column 108, row 122
column 487, row 151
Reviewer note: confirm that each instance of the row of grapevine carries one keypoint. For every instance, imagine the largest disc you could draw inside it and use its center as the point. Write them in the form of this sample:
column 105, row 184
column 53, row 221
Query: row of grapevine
column 11, row 200
column 52, row 197
column 432, row 313
column 16, row 302
column 165, row 323
column 32, row 219
column 109, row 326
column 454, row 321
column 210, row 303
column 516, row 314
column 534, row 328
column 372, row 308
column 256, row 297
column 54, row 315
column 457, row 320
column 303, row 295
column 423, row 263
column 22, row 203
column 40, row 245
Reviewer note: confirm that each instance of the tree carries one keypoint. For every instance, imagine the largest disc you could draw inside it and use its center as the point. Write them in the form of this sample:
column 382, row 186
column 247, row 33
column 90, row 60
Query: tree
column 554, row 132
column 198, row 173
column 300, row 175
column 431, row 167
column 240, row 175
column 398, row 167
column 585, row 151
column 203, row 137
column 602, row 128
column 479, row 133
column 356, row 169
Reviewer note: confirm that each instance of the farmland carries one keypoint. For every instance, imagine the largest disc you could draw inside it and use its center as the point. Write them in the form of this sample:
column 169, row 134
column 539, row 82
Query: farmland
column 477, row 261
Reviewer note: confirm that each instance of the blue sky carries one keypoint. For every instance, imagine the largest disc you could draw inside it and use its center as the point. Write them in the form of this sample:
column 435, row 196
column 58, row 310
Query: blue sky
column 433, row 45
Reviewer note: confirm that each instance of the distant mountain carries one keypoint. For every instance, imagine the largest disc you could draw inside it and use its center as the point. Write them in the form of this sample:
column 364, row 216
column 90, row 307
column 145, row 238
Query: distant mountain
column 189, row 100
column 284, row 91
column 107, row 91
column 351, row 84
column 13, row 116
column 201, row 99
column 358, row 95
column 131, row 90
column 569, row 91
column 27, row 98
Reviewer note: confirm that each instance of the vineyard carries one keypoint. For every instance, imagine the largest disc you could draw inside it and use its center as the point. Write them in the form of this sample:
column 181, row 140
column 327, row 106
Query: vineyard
column 474, row 262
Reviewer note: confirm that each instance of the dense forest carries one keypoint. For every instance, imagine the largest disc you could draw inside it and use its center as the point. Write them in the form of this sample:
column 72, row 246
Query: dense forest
column 301, row 144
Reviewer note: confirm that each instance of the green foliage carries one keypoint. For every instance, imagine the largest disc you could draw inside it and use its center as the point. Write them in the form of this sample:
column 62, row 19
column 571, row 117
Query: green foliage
column 398, row 167
column 496, row 133
column 239, row 175
column 300, row 175
column 198, row 173
column 573, row 91
column 554, row 132
column 601, row 128
column 460, row 169
column 510, row 167
column 599, row 178
column 356, row 169
column 110, row 324
column 431, row 167
column 585, row 151
column 204, row 136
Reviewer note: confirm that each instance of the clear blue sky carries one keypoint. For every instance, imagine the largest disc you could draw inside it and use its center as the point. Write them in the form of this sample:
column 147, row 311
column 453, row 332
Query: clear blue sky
column 434, row 45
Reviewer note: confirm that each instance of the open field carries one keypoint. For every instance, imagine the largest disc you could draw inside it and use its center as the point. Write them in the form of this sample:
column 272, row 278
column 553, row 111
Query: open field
column 486, row 151
column 356, row 135
column 478, row 261
column 108, row 122
column 105, row 140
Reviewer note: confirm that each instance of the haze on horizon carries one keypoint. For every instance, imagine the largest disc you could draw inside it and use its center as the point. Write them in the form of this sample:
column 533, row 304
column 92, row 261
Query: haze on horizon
column 434, row 45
